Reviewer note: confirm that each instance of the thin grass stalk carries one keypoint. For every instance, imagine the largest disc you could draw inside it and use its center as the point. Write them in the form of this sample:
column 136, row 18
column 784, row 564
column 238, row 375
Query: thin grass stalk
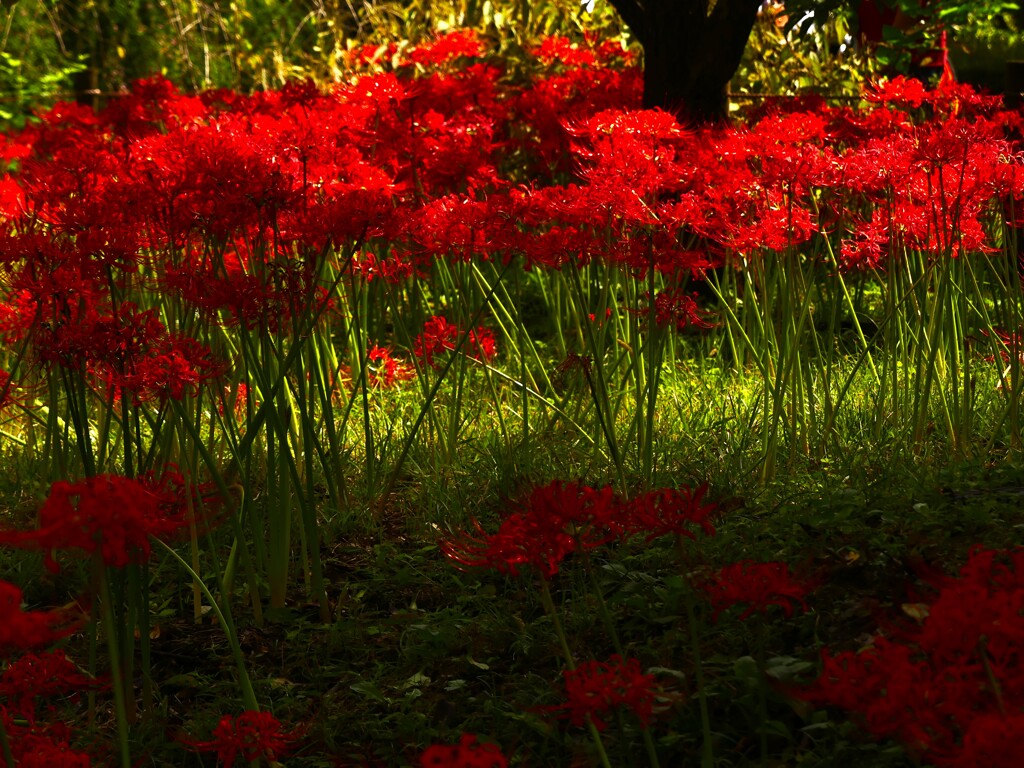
column 307, row 506
column 223, row 614
column 597, row 383
column 235, row 516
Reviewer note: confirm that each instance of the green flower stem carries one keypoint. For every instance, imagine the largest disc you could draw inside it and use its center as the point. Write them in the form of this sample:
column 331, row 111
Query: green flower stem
column 762, row 692
column 5, row 744
column 707, row 752
column 116, row 672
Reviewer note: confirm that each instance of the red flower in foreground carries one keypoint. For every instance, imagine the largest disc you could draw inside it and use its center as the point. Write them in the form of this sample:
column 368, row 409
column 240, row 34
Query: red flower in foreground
column 113, row 514
column 44, row 674
column 25, row 630
column 757, row 585
column 950, row 686
column 595, row 688
column 992, row 740
column 468, row 753
column 251, row 735
column 47, row 747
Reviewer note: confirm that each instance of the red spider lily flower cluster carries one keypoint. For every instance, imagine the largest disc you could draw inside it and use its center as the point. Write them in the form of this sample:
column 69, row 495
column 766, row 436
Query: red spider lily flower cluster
column 109, row 514
column 558, row 519
column 37, row 675
column 596, row 688
column 249, row 736
column 43, row 747
column 385, row 370
column 440, row 336
column 468, row 753
column 675, row 309
column 240, row 208
column 29, row 630
column 951, row 687
column 756, row 585
column 26, row 680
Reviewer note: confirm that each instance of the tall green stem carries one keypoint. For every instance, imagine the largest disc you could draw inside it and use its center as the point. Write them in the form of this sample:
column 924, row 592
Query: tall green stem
column 110, row 630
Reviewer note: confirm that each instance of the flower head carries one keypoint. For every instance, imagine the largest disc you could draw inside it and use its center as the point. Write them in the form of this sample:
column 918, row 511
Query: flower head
column 111, row 514
column 670, row 510
column 440, row 336
column 252, row 735
column 597, row 687
column 42, row 674
column 468, row 753
column 550, row 524
column 757, row 585
column 26, row 630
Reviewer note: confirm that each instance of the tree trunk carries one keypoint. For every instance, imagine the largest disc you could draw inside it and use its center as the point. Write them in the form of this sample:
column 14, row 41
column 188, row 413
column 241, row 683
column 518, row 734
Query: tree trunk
column 692, row 49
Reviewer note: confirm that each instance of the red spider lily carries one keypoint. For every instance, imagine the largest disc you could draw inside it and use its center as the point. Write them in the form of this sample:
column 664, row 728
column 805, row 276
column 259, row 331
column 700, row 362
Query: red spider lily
column 109, row 514
column 42, row 747
column 595, row 688
column 131, row 352
column 902, row 91
column 757, row 585
column 43, row 674
column 251, row 289
column 152, row 104
column 391, row 268
column 551, row 523
column 251, row 736
column 669, row 510
column 468, row 753
column 949, row 686
column 993, row 740
column 460, row 229
column 560, row 50
column 239, row 396
column 440, row 336
column 11, row 392
column 557, row 100
column 28, row 630
column 675, row 309
column 386, row 371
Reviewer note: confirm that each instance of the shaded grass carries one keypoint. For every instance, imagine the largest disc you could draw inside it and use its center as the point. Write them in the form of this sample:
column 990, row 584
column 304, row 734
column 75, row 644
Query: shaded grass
column 418, row 652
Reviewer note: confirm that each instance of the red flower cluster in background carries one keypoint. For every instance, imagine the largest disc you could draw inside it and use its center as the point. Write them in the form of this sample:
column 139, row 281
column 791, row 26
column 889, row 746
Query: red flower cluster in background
column 440, row 336
column 951, row 688
column 560, row 518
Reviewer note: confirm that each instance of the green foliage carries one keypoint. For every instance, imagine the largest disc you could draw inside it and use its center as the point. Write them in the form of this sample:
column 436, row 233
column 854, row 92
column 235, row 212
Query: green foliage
column 786, row 59
column 979, row 52
column 34, row 70
column 21, row 93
